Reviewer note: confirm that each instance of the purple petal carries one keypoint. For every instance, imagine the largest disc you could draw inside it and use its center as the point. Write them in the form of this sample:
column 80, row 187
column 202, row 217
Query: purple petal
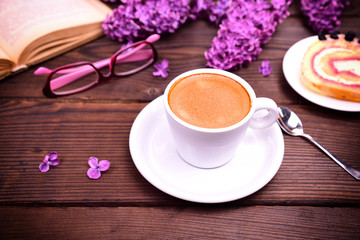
column 93, row 162
column 46, row 159
column 104, row 165
column 93, row 173
column 265, row 68
column 54, row 162
column 161, row 73
column 53, row 156
column 44, row 167
column 162, row 69
column 164, row 64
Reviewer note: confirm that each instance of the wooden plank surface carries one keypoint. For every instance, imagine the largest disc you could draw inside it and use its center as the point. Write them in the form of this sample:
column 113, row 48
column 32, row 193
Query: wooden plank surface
column 310, row 197
column 257, row 222
column 29, row 130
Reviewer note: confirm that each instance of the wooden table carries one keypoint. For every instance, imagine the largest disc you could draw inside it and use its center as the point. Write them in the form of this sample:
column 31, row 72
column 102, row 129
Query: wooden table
column 310, row 197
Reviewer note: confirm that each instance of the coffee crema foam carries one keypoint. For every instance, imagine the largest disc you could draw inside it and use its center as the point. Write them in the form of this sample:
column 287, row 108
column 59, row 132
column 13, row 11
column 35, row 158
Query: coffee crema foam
column 209, row 100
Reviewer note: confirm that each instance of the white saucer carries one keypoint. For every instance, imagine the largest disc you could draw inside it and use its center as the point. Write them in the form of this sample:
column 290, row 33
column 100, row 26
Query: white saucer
column 256, row 162
column 291, row 68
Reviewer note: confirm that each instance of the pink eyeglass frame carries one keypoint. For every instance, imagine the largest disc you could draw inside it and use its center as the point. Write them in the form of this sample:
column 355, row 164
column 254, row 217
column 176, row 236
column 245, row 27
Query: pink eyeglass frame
column 74, row 71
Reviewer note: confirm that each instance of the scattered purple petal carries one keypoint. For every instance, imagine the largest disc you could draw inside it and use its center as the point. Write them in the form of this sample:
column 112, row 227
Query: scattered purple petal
column 50, row 159
column 44, row 167
column 96, row 167
column 162, row 69
column 265, row 68
column 93, row 162
column 53, row 159
column 104, row 165
column 94, row 173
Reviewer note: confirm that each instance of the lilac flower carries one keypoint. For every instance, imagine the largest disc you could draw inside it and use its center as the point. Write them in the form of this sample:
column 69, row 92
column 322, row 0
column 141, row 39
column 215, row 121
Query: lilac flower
column 280, row 9
column 247, row 26
column 213, row 10
column 233, row 47
column 50, row 159
column 162, row 68
column 197, row 8
column 137, row 19
column 265, row 68
column 323, row 16
column 218, row 10
column 96, row 167
column 244, row 25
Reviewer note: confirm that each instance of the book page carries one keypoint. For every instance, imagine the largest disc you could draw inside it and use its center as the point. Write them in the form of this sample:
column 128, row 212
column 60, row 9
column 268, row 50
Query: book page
column 55, row 46
column 3, row 55
column 5, row 63
column 22, row 22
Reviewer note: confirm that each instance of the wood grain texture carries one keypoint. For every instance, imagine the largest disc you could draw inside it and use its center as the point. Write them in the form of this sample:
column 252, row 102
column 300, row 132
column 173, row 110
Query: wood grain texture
column 310, row 197
column 29, row 130
column 257, row 222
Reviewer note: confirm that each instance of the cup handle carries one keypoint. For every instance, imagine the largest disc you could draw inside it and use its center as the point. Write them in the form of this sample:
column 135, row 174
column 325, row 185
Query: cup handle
column 266, row 113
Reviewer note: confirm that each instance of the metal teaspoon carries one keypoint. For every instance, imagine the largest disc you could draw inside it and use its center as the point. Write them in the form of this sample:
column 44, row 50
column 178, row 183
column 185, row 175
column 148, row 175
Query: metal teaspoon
column 291, row 124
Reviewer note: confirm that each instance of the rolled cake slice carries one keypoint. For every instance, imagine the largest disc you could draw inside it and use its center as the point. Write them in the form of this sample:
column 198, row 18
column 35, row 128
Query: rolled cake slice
column 331, row 67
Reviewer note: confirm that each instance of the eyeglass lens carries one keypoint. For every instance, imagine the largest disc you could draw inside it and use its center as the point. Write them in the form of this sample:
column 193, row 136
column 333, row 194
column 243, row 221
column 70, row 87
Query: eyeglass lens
column 84, row 75
column 138, row 58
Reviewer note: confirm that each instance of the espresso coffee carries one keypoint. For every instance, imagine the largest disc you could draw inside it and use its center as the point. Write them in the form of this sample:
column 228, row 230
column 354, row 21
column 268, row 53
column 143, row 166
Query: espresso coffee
column 209, row 100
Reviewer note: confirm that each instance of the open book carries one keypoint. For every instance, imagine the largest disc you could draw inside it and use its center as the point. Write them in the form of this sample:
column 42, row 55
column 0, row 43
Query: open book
column 36, row 30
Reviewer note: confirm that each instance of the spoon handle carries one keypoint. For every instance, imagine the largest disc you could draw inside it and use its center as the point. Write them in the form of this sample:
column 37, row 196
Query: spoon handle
column 352, row 171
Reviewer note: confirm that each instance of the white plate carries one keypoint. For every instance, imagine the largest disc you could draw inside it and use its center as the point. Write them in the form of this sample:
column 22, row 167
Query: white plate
column 256, row 162
column 291, row 67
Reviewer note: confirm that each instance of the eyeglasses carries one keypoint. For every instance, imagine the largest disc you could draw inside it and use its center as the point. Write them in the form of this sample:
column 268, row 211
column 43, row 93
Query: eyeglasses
column 80, row 76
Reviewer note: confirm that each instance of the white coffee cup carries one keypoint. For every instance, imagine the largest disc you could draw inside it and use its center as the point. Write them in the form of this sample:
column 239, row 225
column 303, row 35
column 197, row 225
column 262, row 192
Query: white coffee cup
column 213, row 147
